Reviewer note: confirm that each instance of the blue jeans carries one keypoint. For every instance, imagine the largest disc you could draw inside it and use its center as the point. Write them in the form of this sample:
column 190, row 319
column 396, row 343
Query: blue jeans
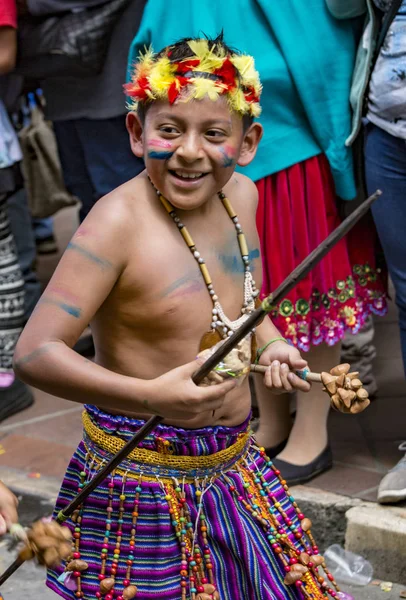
column 43, row 228
column 96, row 157
column 385, row 164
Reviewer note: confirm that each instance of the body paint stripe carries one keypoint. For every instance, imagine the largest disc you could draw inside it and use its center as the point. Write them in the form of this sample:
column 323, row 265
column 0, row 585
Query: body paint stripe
column 32, row 355
column 161, row 143
column 74, row 311
column 102, row 262
column 159, row 155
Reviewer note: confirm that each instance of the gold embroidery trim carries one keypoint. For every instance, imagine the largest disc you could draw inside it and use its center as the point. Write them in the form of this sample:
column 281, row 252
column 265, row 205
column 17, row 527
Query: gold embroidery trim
column 113, row 444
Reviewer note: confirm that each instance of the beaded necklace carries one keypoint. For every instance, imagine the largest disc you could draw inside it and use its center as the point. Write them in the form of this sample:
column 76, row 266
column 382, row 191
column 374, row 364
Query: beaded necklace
column 221, row 325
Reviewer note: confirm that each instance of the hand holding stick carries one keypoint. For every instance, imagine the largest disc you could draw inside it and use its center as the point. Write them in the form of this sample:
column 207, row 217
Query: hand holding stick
column 346, row 392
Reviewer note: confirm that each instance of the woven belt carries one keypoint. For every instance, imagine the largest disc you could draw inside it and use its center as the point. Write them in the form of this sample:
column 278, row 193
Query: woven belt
column 113, row 444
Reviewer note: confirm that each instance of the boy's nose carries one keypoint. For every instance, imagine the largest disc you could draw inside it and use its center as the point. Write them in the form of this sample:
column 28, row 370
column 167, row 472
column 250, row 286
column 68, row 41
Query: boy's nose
column 190, row 149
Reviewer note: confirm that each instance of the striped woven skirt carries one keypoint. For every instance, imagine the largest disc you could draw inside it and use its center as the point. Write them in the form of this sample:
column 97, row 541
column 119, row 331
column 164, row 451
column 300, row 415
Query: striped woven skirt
column 191, row 515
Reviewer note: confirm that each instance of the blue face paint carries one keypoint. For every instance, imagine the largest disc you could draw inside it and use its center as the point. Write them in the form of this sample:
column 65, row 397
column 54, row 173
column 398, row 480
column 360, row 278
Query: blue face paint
column 159, row 154
column 228, row 161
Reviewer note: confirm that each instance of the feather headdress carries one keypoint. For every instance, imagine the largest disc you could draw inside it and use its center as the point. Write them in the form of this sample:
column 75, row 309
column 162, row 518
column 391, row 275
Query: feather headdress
column 208, row 72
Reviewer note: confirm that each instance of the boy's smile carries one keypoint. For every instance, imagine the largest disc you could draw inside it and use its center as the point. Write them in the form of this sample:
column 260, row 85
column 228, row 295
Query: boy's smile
column 191, row 148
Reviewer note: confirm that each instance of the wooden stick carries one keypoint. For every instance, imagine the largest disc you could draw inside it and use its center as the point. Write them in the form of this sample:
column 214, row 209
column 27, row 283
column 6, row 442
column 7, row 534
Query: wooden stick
column 10, row 570
column 256, row 317
column 313, row 377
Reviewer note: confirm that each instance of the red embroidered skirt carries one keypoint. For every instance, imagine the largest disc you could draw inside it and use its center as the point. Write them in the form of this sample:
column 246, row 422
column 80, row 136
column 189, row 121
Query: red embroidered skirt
column 297, row 210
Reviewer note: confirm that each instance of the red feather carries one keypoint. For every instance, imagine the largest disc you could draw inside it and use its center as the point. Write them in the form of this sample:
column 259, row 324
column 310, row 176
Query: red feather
column 138, row 89
column 227, row 73
column 173, row 92
column 187, row 65
column 250, row 95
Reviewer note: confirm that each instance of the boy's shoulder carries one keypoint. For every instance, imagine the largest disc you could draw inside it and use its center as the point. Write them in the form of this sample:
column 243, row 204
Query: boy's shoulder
column 121, row 204
column 242, row 192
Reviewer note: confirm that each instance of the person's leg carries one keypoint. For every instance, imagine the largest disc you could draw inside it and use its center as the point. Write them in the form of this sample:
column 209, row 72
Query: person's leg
column 44, row 235
column 14, row 394
column 107, row 151
column 11, row 298
column 21, row 227
column 307, row 438
column 74, row 167
column 275, row 422
column 385, row 165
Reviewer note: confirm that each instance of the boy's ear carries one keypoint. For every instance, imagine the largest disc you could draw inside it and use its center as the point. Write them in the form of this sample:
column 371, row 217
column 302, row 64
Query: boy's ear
column 250, row 143
column 135, row 130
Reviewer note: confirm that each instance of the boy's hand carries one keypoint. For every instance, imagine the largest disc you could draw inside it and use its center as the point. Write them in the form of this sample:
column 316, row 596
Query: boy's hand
column 175, row 396
column 282, row 360
column 8, row 509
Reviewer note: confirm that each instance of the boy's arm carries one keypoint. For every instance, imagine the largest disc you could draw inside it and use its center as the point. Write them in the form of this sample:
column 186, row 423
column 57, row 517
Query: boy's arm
column 82, row 281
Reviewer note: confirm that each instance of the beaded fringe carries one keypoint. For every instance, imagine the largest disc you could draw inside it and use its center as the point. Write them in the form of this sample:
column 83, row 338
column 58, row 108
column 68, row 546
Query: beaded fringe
column 254, row 487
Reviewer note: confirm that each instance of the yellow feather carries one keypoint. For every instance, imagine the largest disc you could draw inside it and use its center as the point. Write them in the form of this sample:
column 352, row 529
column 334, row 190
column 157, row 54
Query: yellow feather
column 204, row 87
column 199, row 47
column 147, row 56
column 255, row 109
column 208, row 60
column 145, row 63
column 238, row 102
column 162, row 76
column 246, row 67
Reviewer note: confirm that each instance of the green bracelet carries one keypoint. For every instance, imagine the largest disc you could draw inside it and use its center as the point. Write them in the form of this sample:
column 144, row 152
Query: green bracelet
column 261, row 350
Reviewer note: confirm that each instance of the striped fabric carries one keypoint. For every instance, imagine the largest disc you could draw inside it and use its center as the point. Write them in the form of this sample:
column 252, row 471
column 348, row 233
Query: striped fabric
column 244, row 565
column 11, row 292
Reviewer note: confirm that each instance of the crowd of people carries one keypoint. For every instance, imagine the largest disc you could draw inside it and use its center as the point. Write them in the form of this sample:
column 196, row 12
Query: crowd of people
column 332, row 130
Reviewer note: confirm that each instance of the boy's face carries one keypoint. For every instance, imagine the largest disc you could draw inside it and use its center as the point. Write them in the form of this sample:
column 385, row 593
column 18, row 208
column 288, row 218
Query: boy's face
column 191, row 148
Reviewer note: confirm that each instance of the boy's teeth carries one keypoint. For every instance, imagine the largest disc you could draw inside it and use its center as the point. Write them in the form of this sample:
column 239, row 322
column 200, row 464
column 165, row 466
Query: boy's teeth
column 188, row 175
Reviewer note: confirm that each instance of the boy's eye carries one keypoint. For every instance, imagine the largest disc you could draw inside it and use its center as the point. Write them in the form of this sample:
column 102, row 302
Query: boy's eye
column 215, row 133
column 168, row 129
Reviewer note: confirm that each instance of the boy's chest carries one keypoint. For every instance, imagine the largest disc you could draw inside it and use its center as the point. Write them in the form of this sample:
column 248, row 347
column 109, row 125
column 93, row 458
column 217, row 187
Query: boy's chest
column 169, row 286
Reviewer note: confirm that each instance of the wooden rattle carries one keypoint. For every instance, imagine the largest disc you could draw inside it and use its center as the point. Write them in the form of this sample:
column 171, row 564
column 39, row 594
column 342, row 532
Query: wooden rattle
column 46, row 541
column 347, row 394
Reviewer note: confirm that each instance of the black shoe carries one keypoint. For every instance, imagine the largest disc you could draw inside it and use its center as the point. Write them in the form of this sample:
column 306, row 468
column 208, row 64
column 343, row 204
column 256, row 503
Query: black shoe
column 84, row 346
column 14, row 398
column 296, row 474
column 273, row 451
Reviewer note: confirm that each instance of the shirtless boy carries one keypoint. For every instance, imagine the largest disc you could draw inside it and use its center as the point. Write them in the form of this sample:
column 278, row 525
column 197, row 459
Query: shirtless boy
column 197, row 511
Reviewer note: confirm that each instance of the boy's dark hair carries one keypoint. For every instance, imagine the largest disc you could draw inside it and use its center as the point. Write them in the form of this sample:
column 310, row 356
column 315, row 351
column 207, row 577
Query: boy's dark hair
column 181, row 51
